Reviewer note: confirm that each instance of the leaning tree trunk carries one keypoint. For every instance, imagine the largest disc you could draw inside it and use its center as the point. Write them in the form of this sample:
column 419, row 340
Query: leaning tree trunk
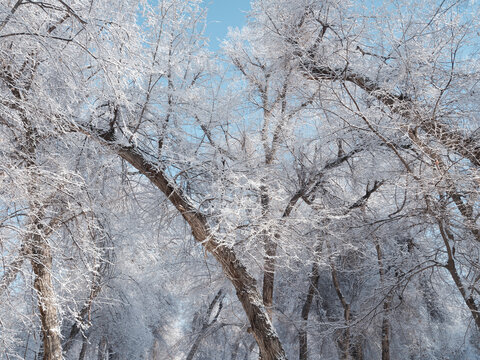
column 245, row 285
column 452, row 269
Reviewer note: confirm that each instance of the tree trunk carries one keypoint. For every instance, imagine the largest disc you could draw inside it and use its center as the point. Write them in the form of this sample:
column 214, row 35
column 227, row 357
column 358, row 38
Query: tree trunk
column 269, row 256
column 270, row 249
column 312, row 288
column 83, row 350
column 386, row 332
column 41, row 256
column 102, row 349
column 42, row 267
column 344, row 340
column 386, row 306
column 357, row 349
column 452, row 269
column 245, row 285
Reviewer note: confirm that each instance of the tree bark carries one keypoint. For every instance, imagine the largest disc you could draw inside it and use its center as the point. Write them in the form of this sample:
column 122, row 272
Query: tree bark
column 386, row 307
column 269, row 256
column 41, row 261
column 102, row 349
column 312, row 288
column 41, row 256
column 344, row 340
column 15, row 266
column 245, row 285
column 83, row 350
column 452, row 269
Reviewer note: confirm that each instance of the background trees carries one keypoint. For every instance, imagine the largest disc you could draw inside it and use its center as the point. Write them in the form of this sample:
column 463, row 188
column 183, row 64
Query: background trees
column 326, row 167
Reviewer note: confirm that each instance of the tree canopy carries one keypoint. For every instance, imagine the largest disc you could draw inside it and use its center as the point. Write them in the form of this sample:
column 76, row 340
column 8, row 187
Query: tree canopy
column 311, row 190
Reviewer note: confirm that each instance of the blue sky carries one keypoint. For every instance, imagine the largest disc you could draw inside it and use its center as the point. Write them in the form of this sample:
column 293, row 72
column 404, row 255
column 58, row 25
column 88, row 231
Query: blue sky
column 223, row 14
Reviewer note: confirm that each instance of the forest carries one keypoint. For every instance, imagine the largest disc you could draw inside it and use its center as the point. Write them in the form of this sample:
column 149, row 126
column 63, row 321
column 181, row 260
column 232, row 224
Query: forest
column 308, row 190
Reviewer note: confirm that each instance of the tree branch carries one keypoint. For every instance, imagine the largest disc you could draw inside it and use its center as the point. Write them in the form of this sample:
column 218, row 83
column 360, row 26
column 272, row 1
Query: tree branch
column 400, row 104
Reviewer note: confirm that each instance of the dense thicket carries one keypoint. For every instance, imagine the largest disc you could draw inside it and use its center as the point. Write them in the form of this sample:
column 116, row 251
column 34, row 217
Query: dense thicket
column 310, row 191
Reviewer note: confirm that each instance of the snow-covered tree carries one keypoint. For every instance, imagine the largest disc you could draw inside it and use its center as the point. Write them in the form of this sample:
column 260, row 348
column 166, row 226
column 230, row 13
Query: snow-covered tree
column 311, row 190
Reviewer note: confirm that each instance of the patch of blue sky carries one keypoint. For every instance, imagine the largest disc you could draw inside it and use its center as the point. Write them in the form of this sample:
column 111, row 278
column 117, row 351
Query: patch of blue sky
column 222, row 14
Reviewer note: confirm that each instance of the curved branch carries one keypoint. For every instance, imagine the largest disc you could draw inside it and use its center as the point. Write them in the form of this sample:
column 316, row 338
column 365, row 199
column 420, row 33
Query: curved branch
column 244, row 283
column 399, row 104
